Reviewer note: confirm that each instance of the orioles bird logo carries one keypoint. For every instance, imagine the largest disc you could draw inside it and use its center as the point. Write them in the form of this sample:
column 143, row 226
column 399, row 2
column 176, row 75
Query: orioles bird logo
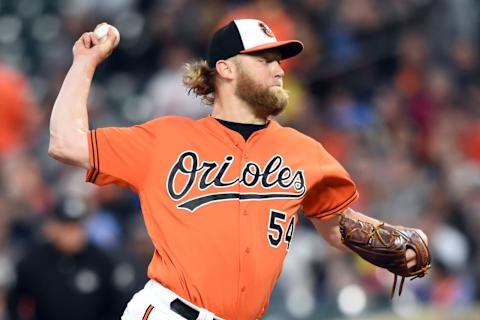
column 266, row 29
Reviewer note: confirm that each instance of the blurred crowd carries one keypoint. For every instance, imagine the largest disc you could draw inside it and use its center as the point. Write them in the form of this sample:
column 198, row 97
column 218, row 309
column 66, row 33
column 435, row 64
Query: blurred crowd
column 390, row 88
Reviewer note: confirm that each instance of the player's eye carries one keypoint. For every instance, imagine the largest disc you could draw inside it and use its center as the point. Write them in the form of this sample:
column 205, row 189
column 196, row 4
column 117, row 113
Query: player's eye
column 267, row 60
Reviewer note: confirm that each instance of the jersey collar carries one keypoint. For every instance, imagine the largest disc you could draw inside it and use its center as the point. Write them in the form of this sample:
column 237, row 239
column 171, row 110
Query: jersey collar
column 220, row 130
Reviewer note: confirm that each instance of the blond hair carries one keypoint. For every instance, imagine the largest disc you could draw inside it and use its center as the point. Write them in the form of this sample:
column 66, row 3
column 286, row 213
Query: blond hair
column 199, row 78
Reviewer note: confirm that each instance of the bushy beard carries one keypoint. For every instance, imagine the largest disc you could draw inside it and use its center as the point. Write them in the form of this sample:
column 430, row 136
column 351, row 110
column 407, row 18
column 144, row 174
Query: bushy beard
column 264, row 101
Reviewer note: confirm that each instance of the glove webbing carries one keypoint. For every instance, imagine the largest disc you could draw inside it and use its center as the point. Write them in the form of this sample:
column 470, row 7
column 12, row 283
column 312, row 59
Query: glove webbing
column 417, row 274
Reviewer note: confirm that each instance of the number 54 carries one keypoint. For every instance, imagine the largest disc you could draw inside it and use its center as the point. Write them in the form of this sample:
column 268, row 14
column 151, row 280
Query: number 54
column 276, row 229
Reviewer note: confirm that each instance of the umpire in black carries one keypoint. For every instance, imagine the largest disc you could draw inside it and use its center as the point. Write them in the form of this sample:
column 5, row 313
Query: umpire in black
column 64, row 276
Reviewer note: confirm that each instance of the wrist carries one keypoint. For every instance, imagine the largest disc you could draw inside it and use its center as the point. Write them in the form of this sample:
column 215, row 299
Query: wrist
column 85, row 66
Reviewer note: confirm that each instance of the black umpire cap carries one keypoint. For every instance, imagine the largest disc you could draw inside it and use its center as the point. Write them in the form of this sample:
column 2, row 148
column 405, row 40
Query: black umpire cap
column 70, row 209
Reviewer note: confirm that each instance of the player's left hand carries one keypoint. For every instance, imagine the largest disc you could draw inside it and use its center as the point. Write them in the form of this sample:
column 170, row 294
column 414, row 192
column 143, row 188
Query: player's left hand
column 402, row 251
column 411, row 255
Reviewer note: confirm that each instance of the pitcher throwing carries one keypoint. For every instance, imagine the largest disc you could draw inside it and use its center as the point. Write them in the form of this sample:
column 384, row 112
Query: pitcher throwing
column 220, row 196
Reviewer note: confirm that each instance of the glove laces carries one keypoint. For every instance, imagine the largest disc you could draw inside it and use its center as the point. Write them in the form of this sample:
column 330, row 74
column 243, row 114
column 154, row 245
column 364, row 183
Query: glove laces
column 417, row 274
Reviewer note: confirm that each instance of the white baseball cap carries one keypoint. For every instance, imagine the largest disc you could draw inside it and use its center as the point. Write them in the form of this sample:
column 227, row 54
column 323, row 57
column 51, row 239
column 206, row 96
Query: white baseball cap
column 247, row 36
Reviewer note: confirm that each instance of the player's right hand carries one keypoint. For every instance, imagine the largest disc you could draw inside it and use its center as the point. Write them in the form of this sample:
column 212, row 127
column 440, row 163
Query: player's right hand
column 90, row 50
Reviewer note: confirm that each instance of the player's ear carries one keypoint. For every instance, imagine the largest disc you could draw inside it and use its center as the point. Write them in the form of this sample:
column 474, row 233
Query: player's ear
column 225, row 69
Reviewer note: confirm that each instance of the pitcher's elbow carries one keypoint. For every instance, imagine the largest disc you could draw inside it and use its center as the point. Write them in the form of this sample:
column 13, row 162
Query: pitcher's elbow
column 53, row 151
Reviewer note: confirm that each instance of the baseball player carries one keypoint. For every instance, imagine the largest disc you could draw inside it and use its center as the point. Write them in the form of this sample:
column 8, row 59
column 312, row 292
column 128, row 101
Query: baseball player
column 219, row 195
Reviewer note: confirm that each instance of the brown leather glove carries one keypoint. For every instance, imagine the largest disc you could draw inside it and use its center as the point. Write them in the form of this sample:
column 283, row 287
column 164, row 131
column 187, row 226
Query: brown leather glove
column 386, row 247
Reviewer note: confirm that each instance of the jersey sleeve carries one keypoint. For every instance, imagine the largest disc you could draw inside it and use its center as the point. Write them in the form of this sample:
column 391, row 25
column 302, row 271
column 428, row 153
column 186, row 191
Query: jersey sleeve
column 332, row 191
column 121, row 156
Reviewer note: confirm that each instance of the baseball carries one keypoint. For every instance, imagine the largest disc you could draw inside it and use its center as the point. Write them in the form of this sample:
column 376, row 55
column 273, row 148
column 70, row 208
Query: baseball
column 101, row 32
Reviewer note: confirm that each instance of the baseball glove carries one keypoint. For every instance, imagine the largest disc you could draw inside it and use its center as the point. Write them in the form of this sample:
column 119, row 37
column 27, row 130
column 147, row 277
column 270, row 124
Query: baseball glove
column 386, row 246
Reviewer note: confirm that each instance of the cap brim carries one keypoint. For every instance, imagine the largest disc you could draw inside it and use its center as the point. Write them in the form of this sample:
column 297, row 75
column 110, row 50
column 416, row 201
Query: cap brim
column 288, row 48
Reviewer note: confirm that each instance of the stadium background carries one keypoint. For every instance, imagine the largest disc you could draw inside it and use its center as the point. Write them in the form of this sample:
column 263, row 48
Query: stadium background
column 391, row 88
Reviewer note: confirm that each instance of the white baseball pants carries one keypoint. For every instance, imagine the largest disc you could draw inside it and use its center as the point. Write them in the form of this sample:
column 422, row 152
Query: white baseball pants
column 154, row 302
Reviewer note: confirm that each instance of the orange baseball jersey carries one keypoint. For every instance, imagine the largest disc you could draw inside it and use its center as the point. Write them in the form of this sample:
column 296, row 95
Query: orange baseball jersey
column 221, row 211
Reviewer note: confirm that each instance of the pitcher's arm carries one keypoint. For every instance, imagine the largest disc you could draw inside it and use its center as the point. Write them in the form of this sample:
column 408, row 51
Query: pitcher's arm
column 69, row 120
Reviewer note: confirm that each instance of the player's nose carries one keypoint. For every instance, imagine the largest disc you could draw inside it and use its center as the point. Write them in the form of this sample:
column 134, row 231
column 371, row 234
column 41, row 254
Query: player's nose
column 278, row 70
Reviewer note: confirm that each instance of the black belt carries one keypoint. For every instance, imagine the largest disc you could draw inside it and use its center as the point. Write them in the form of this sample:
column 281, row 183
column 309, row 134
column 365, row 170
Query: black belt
column 185, row 310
